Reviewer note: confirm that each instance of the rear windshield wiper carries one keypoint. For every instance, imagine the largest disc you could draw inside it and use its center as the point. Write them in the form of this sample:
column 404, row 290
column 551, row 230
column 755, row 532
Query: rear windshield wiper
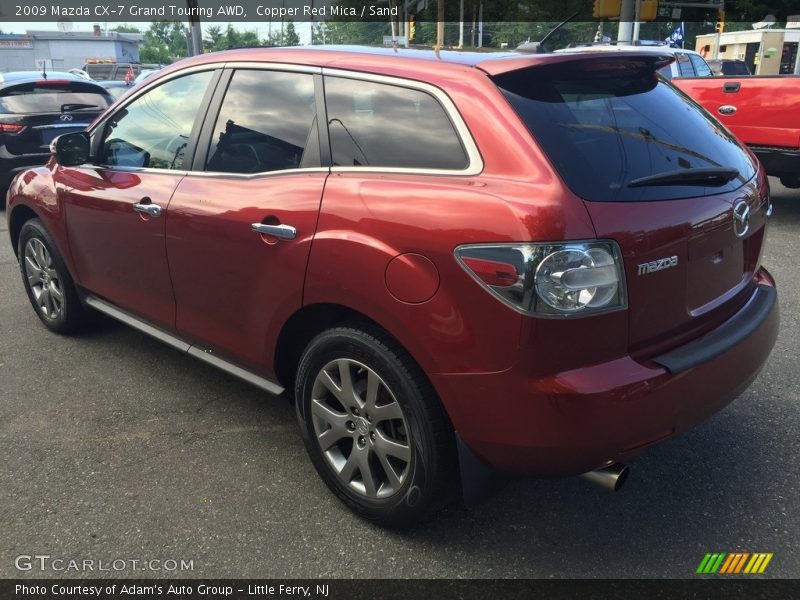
column 713, row 176
column 77, row 106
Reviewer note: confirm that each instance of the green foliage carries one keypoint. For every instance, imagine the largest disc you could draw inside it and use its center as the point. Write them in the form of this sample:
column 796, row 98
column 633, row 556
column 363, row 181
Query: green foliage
column 126, row 29
column 163, row 42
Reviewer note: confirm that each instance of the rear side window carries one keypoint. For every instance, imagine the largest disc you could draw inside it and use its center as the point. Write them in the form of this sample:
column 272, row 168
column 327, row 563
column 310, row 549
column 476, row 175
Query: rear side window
column 603, row 128
column 51, row 97
column 700, row 66
column 267, row 123
column 380, row 125
column 684, row 65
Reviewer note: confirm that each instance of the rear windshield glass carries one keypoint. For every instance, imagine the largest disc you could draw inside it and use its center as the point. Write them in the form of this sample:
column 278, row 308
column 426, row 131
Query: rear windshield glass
column 604, row 124
column 52, row 96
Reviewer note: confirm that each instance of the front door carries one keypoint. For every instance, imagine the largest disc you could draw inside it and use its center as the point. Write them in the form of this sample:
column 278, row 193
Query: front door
column 116, row 207
column 240, row 226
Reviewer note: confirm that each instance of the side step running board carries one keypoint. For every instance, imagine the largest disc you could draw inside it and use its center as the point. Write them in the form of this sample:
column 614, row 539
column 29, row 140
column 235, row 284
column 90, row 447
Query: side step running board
column 176, row 342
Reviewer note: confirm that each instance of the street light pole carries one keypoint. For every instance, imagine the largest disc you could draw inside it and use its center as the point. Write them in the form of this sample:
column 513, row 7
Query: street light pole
column 440, row 24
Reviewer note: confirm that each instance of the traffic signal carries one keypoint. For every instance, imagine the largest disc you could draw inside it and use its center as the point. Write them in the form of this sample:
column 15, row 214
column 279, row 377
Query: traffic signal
column 604, row 9
column 720, row 26
column 412, row 27
column 648, row 10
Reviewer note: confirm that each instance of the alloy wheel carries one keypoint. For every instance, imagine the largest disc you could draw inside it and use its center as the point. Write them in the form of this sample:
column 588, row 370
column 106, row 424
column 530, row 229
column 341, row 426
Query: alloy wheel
column 43, row 279
column 361, row 429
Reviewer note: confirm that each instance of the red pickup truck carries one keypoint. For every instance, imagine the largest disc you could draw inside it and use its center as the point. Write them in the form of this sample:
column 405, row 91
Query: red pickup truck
column 762, row 111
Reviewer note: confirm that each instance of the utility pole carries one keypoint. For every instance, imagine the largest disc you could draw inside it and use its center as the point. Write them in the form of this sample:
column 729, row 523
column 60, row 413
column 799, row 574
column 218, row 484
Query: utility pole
column 196, row 32
column 480, row 25
column 626, row 16
column 461, row 25
column 440, row 24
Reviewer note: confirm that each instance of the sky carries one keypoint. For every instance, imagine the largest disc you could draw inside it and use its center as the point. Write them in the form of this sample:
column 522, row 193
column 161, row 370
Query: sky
column 261, row 28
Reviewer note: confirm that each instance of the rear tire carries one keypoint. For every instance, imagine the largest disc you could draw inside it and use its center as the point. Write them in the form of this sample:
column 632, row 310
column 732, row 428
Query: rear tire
column 373, row 427
column 47, row 281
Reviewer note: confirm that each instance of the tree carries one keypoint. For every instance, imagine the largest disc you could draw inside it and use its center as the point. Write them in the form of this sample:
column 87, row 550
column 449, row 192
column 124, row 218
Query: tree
column 213, row 35
column 163, row 42
column 126, row 29
column 290, row 37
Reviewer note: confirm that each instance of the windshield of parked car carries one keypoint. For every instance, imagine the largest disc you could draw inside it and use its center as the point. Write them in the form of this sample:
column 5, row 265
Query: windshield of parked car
column 50, row 96
column 604, row 124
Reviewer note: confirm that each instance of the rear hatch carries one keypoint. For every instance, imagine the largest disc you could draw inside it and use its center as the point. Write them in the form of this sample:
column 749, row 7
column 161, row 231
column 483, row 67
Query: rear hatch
column 33, row 114
column 659, row 176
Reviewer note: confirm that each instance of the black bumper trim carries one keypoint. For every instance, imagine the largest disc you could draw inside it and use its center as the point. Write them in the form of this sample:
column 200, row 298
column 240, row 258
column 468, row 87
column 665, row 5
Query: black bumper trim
column 724, row 337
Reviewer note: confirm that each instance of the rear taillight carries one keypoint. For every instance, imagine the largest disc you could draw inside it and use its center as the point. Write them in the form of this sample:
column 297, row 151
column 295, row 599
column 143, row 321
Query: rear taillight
column 11, row 127
column 553, row 280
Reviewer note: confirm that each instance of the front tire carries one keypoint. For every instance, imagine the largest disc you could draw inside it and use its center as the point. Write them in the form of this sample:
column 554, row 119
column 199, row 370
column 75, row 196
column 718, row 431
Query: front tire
column 373, row 427
column 47, row 281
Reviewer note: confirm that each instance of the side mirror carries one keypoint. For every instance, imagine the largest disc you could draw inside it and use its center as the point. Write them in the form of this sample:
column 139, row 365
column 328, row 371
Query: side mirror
column 71, row 149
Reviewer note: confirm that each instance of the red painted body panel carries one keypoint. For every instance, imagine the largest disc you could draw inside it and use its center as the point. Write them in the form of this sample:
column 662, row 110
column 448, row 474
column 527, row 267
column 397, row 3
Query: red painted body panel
column 576, row 420
column 236, row 288
column 119, row 253
column 546, row 395
column 767, row 108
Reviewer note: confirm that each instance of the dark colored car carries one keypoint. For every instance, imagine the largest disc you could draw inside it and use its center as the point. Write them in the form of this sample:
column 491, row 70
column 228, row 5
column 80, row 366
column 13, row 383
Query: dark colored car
column 727, row 67
column 35, row 109
column 456, row 264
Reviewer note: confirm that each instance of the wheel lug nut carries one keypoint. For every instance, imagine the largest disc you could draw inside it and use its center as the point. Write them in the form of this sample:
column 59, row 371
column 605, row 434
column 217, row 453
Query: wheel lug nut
column 355, row 411
column 351, row 426
column 372, row 435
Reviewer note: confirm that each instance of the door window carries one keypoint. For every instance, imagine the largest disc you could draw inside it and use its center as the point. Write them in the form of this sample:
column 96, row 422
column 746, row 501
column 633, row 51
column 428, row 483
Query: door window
column 267, row 123
column 702, row 68
column 380, row 125
column 153, row 130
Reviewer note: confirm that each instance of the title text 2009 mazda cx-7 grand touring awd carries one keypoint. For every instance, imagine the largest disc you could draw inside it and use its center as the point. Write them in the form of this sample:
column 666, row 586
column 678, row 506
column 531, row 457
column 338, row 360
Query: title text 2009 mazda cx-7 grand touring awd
column 458, row 263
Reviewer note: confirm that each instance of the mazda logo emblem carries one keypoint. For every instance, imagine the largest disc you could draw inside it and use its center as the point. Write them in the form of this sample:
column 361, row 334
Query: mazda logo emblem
column 66, row 117
column 741, row 218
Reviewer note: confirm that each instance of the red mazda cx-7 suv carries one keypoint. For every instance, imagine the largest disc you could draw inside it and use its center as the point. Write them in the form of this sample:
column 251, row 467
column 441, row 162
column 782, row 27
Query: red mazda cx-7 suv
column 456, row 264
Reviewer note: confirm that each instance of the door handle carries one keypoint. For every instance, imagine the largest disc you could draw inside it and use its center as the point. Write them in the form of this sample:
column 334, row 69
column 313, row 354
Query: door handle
column 731, row 87
column 154, row 210
column 284, row 232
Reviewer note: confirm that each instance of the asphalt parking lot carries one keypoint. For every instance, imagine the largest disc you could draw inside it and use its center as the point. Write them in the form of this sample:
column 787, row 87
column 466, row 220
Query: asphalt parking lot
column 114, row 446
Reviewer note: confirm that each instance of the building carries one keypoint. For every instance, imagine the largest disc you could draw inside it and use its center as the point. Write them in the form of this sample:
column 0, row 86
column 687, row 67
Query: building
column 766, row 51
column 61, row 50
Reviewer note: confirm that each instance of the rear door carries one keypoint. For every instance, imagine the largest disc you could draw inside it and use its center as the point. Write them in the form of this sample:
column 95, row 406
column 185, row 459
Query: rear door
column 240, row 225
column 116, row 206
column 614, row 131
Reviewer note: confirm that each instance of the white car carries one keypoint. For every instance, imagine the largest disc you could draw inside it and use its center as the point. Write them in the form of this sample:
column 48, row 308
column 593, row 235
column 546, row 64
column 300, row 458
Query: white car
column 688, row 63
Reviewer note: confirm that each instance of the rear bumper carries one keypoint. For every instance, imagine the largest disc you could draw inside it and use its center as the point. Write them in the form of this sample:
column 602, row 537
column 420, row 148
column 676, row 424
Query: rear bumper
column 779, row 162
column 575, row 421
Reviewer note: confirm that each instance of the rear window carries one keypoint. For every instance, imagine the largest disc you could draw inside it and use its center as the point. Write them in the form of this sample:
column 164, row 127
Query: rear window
column 381, row 125
column 605, row 123
column 50, row 96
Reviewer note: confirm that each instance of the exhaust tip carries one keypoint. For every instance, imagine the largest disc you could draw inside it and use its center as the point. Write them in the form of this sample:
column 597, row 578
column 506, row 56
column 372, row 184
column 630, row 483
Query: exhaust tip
column 612, row 477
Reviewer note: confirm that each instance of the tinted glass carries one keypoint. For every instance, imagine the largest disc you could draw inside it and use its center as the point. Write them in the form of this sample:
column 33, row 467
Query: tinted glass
column 267, row 123
column 602, row 129
column 153, row 130
column 379, row 125
column 684, row 65
column 45, row 97
column 700, row 66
